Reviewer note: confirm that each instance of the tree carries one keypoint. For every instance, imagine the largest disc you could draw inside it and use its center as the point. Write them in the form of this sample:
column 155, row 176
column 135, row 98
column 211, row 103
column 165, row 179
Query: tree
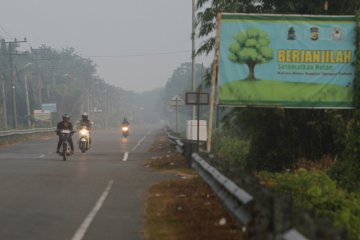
column 334, row 7
column 207, row 10
column 251, row 47
column 206, row 18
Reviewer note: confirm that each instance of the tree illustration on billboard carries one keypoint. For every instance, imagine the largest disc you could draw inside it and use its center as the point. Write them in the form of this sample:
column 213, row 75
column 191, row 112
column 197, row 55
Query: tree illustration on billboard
column 251, row 47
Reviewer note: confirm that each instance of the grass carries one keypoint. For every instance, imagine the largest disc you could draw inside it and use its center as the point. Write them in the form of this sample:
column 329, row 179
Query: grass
column 184, row 207
column 269, row 92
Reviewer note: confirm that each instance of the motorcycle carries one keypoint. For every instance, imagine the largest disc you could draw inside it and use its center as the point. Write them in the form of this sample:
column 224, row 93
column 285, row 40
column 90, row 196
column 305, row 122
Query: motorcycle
column 125, row 130
column 65, row 145
column 84, row 138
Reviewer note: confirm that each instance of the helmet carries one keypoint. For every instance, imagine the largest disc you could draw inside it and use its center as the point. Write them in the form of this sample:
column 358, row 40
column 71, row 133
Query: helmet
column 66, row 116
column 85, row 116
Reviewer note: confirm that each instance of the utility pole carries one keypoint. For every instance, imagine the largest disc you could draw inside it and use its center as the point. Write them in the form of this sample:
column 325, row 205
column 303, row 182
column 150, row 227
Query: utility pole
column 4, row 100
column 12, row 78
column 193, row 54
column 38, row 76
column 106, row 107
column 38, row 72
column 88, row 94
column 53, row 78
column 27, row 100
column 53, row 74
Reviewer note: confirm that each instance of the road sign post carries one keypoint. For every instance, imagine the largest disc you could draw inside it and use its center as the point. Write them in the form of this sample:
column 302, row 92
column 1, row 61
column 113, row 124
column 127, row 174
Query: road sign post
column 176, row 102
column 197, row 98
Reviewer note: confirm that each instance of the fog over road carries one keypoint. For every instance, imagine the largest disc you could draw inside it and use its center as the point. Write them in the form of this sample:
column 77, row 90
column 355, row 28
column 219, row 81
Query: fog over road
column 94, row 195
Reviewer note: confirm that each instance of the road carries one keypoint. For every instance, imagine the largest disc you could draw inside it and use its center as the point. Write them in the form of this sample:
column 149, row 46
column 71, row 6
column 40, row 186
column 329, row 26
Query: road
column 94, row 195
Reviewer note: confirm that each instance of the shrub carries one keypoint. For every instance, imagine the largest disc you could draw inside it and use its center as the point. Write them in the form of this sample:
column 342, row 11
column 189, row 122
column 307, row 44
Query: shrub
column 315, row 190
column 231, row 149
column 346, row 170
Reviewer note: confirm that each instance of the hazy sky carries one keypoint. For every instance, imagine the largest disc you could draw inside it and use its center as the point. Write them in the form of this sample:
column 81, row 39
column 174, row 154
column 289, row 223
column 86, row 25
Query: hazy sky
column 137, row 44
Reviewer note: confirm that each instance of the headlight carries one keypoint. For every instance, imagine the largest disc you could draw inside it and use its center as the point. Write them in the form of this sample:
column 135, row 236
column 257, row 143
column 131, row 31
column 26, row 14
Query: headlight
column 83, row 132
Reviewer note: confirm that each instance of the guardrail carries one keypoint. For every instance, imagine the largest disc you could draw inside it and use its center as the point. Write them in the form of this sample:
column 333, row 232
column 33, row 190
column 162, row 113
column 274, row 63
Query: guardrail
column 235, row 199
column 265, row 215
column 25, row 131
column 14, row 136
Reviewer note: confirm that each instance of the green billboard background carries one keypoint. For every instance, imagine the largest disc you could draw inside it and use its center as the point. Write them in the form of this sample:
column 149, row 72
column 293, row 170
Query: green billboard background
column 286, row 60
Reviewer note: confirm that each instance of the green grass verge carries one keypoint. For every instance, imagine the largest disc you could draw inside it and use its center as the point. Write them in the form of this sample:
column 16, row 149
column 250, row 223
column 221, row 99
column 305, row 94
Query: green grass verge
column 269, row 92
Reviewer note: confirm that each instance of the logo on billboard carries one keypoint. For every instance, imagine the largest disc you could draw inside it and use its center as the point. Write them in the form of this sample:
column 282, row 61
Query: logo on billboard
column 336, row 34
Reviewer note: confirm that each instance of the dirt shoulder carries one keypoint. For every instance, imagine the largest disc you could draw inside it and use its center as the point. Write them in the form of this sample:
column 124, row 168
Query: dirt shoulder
column 185, row 207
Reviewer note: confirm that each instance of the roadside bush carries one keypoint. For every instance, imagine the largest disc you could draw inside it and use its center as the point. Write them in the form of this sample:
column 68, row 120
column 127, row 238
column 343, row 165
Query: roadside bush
column 231, row 149
column 316, row 191
column 279, row 137
column 346, row 169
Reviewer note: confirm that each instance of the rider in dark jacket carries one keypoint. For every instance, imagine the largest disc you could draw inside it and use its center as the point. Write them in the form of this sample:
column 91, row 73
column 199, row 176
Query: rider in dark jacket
column 65, row 124
column 125, row 122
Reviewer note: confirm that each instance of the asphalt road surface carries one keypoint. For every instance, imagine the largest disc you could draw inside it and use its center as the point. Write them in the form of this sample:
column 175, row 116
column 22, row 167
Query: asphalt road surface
column 96, row 195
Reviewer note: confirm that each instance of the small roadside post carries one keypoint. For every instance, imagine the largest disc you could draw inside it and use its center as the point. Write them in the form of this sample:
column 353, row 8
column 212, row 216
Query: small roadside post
column 176, row 102
column 197, row 98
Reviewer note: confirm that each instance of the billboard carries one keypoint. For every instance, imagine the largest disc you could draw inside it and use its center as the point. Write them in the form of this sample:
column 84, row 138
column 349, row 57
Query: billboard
column 51, row 107
column 291, row 61
column 42, row 115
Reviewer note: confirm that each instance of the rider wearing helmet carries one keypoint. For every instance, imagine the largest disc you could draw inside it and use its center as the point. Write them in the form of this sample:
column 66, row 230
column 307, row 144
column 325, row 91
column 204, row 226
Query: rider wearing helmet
column 65, row 124
column 85, row 122
column 125, row 122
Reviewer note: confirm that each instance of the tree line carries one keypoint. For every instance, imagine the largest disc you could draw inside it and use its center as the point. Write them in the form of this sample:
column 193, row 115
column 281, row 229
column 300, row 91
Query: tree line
column 46, row 75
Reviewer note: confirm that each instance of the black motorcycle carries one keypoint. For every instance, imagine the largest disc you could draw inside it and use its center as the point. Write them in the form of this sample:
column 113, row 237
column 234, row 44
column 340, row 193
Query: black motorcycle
column 65, row 145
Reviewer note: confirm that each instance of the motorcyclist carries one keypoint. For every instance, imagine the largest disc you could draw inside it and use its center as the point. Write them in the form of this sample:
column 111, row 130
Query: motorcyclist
column 125, row 127
column 64, row 124
column 125, row 122
column 85, row 122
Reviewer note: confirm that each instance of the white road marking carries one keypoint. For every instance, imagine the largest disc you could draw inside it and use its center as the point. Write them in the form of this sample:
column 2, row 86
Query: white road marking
column 138, row 144
column 126, row 155
column 42, row 155
column 86, row 223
